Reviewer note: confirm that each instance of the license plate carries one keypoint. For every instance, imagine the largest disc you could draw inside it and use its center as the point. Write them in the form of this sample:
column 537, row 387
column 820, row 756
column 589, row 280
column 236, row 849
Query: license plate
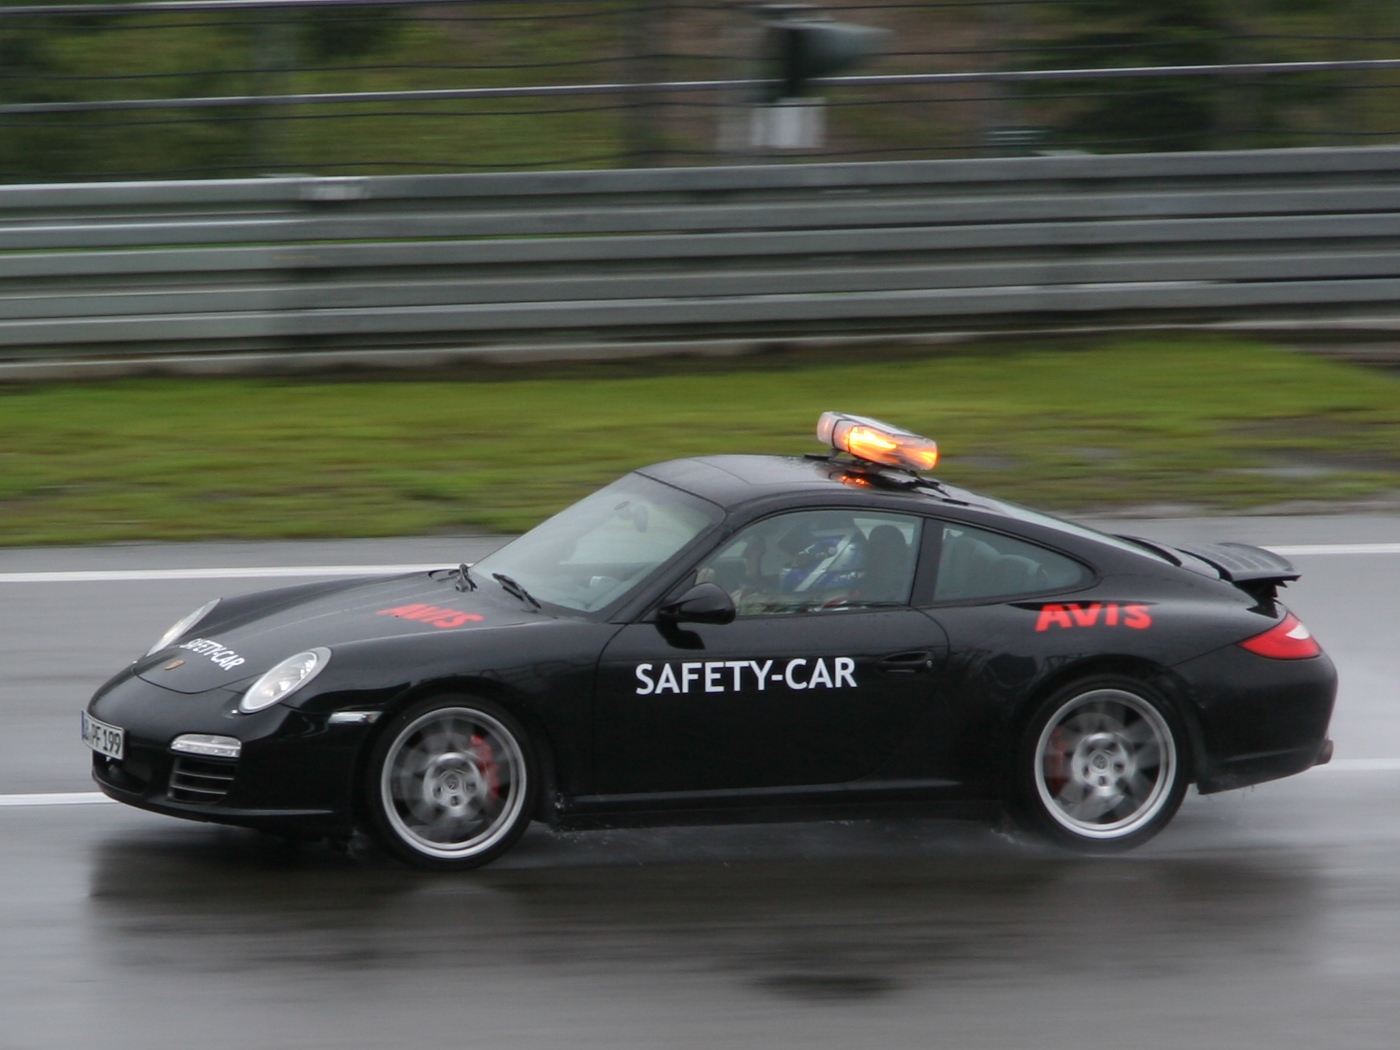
column 102, row 738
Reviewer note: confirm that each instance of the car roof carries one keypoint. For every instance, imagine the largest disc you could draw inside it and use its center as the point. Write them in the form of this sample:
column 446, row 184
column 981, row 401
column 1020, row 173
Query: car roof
column 734, row 480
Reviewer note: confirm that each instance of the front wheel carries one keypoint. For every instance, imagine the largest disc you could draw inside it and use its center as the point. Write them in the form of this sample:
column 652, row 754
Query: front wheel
column 451, row 784
column 1100, row 767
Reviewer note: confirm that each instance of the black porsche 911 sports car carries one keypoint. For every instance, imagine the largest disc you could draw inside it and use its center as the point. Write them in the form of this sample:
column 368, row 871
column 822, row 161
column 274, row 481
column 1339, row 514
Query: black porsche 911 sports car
column 733, row 638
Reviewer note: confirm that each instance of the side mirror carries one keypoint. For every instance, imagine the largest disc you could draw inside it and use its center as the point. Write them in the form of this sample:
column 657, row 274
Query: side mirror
column 703, row 603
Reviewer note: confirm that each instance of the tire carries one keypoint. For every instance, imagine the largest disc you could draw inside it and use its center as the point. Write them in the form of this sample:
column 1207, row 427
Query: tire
column 1102, row 766
column 451, row 784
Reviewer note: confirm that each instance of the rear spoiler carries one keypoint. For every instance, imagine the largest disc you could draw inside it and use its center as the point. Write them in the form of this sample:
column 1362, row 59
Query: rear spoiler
column 1254, row 570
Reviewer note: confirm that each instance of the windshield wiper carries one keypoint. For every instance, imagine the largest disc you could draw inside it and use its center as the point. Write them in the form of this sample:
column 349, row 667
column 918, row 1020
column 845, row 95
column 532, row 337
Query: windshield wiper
column 515, row 590
column 464, row 578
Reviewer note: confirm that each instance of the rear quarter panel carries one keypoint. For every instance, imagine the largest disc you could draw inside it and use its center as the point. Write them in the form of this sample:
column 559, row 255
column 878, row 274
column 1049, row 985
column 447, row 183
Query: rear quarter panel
column 1006, row 658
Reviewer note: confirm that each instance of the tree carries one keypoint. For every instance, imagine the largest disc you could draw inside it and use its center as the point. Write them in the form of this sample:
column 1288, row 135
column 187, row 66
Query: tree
column 1171, row 113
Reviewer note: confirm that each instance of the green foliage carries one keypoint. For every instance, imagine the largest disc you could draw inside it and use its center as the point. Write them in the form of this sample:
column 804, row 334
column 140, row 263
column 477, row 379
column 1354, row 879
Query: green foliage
column 1210, row 423
column 52, row 60
column 265, row 51
column 490, row 43
column 1208, row 112
column 348, row 33
column 26, row 63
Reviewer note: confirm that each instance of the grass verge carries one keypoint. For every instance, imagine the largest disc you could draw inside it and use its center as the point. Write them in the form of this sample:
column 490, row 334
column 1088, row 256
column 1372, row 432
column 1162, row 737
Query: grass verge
column 1219, row 424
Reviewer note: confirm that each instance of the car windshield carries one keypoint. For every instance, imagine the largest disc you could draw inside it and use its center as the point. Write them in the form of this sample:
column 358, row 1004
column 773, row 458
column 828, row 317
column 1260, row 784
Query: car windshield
column 595, row 552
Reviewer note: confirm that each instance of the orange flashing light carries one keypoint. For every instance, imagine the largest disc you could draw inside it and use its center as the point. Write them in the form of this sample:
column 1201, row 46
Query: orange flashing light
column 877, row 442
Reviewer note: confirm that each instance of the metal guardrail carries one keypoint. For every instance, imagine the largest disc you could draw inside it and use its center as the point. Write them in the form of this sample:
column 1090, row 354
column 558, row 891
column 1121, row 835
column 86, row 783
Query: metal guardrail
column 307, row 263
column 744, row 88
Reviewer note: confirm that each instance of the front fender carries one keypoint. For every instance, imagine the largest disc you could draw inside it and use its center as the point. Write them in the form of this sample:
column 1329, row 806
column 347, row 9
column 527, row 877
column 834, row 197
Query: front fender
column 542, row 671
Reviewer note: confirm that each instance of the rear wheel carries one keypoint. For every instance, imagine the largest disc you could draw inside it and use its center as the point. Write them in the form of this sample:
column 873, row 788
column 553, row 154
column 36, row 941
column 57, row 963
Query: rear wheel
column 451, row 783
column 1100, row 766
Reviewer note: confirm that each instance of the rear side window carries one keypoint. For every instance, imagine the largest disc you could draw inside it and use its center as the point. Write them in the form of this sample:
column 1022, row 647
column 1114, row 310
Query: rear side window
column 974, row 563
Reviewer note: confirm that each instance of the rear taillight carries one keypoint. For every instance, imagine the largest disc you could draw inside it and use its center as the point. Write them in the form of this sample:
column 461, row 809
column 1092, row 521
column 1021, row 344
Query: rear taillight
column 1289, row 640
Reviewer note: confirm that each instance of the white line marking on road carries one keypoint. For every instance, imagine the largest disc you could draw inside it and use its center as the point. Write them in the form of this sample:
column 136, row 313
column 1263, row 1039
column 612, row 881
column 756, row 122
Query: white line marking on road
column 1307, row 549
column 66, row 798
column 1362, row 765
column 250, row 573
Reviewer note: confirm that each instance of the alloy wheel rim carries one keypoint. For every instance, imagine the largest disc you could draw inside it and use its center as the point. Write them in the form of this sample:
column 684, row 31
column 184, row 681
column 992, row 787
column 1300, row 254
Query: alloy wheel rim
column 1105, row 764
column 453, row 783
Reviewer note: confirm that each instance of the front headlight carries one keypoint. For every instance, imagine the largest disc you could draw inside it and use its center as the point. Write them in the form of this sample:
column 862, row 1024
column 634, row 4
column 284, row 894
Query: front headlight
column 284, row 680
column 182, row 625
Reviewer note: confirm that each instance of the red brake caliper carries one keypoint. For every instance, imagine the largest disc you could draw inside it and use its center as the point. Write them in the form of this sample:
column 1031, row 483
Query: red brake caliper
column 482, row 750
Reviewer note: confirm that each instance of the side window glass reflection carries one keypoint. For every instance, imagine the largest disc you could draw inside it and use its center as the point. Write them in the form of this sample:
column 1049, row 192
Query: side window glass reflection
column 974, row 563
column 818, row 561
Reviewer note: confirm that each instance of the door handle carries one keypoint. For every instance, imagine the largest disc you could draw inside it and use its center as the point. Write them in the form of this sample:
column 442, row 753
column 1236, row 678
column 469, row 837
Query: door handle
column 911, row 663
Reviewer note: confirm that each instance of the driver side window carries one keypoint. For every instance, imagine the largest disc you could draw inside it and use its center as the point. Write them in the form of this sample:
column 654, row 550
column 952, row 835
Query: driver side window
column 818, row 561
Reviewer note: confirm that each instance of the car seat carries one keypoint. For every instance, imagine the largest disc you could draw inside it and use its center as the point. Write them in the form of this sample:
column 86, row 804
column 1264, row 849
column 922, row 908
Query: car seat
column 887, row 575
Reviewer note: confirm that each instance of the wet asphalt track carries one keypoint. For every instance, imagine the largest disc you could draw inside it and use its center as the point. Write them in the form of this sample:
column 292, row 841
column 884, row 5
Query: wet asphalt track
column 1264, row 918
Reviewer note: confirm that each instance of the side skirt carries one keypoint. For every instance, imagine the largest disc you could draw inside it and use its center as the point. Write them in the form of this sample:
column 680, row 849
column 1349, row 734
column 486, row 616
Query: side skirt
column 938, row 798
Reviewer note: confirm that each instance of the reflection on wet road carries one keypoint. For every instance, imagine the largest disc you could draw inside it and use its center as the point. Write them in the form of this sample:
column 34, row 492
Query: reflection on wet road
column 1264, row 918
column 1270, row 919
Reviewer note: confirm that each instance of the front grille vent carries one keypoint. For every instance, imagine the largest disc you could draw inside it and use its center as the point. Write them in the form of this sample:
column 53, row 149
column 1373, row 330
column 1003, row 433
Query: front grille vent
column 129, row 774
column 200, row 780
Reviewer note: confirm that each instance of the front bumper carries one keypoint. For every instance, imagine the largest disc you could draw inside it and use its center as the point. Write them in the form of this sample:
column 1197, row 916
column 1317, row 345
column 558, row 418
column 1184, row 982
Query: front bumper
column 295, row 774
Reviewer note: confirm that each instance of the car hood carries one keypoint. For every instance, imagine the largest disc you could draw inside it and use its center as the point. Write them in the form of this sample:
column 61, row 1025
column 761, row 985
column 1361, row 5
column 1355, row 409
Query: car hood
column 246, row 636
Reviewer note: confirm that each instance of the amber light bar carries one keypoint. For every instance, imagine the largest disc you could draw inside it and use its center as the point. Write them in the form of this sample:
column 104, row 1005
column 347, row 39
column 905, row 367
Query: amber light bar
column 877, row 442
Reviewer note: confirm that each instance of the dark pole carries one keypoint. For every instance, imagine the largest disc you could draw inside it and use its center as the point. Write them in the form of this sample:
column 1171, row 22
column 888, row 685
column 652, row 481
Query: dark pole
column 274, row 47
column 643, row 66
